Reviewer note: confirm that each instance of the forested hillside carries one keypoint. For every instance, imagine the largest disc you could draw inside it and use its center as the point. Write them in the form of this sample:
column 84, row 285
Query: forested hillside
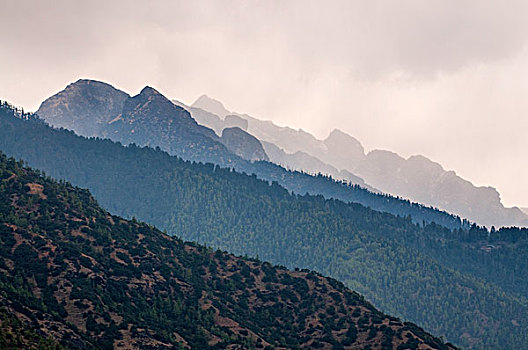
column 465, row 284
column 150, row 119
column 75, row 276
column 416, row 178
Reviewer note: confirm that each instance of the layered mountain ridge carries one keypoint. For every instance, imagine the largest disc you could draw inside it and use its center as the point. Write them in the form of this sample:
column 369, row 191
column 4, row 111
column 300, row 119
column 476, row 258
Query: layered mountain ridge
column 149, row 119
column 92, row 108
column 416, row 178
column 467, row 285
column 77, row 277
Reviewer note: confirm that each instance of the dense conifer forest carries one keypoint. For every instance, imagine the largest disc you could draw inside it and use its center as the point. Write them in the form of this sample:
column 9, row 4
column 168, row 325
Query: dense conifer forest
column 150, row 119
column 465, row 284
column 74, row 276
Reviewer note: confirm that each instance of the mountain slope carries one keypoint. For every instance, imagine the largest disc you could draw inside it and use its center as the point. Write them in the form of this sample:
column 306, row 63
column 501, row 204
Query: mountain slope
column 243, row 144
column 416, row 178
column 149, row 119
column 95, row 104
column 152, row 120
column 75, row 273
column 440, row 278
column 301, row 161
column 425, row 181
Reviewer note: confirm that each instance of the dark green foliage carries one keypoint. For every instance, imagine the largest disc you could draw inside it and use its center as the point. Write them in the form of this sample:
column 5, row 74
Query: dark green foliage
column 181, row 136
column 15, row 335
column 429, row 274
column 102, row 296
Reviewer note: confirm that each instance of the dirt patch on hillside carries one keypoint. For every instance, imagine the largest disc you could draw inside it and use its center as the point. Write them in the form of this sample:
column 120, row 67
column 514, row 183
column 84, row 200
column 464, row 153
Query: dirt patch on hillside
column 37, row 189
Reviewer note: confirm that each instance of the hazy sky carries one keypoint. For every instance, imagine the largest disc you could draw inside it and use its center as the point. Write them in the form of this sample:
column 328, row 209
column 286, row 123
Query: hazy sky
column 446, row 79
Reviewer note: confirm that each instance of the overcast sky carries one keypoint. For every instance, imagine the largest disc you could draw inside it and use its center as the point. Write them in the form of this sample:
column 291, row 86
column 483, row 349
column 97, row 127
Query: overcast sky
column 446, row 79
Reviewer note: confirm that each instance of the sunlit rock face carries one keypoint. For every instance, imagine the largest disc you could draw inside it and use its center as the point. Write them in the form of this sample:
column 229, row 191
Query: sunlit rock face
column 84, row 106
column 92, row 108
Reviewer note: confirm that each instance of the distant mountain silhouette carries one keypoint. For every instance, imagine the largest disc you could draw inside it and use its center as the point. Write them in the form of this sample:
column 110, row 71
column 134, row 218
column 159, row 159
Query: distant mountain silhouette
column 92, row 108
column 416, row 178
column 447, row 280
column 206, row 103
column 150, row 119
column 243, row 144
column 302, row 161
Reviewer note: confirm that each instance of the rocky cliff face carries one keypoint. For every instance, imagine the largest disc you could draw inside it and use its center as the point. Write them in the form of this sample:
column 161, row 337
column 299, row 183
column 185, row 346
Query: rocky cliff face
column 85, row 106
column 150, row 119
column 243, row 144
column 92, row 108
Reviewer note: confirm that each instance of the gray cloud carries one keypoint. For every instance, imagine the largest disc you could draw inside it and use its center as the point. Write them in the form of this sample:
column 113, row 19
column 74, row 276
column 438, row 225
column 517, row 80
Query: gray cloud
column 441, row 78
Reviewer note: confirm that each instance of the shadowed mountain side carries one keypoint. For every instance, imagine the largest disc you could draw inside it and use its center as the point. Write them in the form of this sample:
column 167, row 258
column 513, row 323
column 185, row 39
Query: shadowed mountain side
column 149, row 119
column 83, row 278
column 203, row 117
column 243, row 144
column 213, row 121
column 417, row 178
column 448, row 280
column 301, row 161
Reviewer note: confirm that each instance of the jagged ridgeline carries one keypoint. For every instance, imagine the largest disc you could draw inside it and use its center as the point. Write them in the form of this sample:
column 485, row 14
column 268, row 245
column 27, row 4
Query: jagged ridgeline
column 93, row 108
column 73, row 275
column 433, row 276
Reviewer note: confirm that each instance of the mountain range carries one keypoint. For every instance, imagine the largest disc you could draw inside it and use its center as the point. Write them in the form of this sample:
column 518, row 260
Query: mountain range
column 465, row 284
column 146, row 119
column 416, row 178
column 76, row 277
column 150, row 119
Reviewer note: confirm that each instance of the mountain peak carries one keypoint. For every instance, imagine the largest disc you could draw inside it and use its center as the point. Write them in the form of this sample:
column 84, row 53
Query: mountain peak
column 90, row 83
column 149, row 91
column 211, row 105
column 339, row 134
column 339, row 141
column 83, row 106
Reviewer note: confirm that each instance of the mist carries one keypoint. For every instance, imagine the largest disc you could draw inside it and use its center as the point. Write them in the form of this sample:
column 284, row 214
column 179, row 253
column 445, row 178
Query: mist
column 443, row 79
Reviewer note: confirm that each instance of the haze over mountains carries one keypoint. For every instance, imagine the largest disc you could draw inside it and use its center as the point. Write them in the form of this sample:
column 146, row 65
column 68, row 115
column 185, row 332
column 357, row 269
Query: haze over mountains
column 466, row 284
column 93, row 108
column 263, row 175
column 76, row 277
column 150, row 119
column 427, row 283
column 416, row 178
